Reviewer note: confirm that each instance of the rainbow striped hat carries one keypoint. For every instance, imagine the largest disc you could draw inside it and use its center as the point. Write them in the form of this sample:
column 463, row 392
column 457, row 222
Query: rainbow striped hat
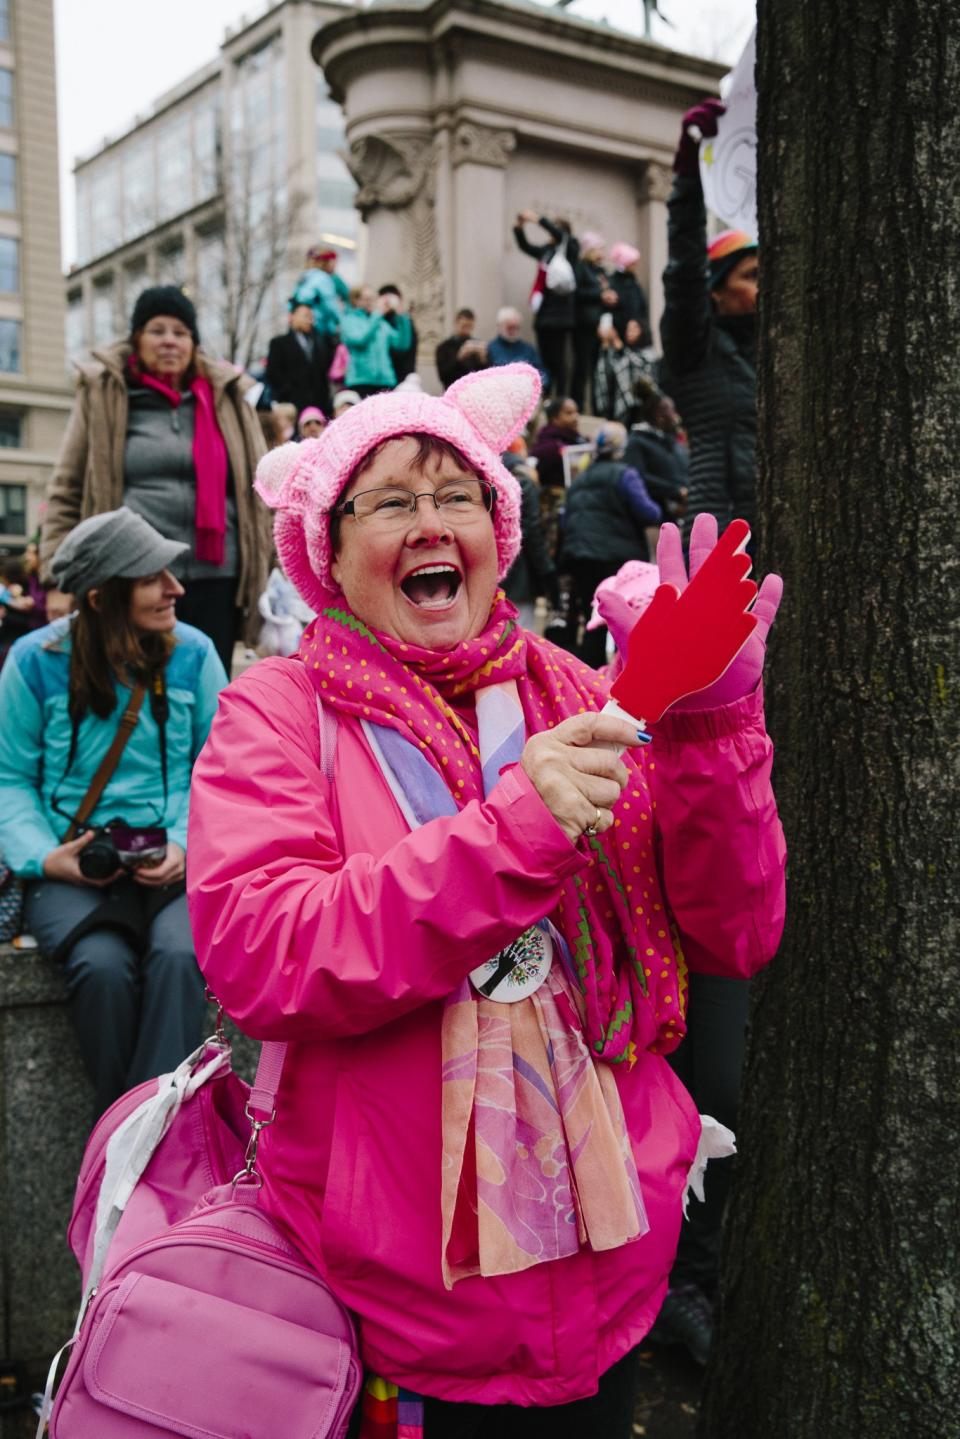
column 724, row 252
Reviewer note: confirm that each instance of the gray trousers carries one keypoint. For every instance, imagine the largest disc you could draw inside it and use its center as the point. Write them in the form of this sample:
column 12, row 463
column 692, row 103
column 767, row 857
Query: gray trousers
column 136, row 1015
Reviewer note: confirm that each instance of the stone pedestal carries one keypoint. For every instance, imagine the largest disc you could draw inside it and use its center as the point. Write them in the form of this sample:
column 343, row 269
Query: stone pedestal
column 461, row 113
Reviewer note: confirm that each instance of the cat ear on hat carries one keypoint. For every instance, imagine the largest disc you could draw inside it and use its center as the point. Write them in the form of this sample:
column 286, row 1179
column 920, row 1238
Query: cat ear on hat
column 275, row 472
column 497, row 402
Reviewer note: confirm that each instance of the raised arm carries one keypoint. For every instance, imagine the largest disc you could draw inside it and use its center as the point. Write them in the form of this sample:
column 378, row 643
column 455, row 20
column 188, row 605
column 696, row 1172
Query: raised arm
column 685, row 326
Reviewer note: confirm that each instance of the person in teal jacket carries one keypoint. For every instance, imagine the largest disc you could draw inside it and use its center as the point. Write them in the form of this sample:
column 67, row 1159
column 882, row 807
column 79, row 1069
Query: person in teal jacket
column 371, row 340
column 323, row 290
column 119, row 927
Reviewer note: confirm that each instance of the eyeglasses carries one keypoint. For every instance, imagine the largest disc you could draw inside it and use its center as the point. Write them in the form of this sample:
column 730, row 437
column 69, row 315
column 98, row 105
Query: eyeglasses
column 459, row 502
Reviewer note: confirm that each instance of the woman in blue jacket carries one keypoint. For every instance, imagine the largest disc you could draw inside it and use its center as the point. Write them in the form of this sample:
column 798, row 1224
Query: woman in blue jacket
column 109, row 902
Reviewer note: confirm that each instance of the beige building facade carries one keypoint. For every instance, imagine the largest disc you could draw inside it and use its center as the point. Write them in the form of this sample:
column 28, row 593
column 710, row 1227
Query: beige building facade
column 229, row 176
column 462, row 113
column 34, row 395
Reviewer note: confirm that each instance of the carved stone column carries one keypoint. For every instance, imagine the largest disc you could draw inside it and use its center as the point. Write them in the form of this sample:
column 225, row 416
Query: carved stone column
column 653, row 190
column 396, row 176
column 480, row 156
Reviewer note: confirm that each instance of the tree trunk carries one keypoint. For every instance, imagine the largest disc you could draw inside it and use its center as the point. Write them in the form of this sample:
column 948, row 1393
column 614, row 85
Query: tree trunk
column 841, row 1311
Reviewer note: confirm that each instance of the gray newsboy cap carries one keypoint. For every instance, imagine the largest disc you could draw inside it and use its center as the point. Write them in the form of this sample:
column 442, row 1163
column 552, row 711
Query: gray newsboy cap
column 118, row 543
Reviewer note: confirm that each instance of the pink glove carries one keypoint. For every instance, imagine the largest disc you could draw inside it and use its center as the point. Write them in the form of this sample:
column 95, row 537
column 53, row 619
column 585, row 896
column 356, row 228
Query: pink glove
column 620, row 601
column 744, row 673
column 704, row 116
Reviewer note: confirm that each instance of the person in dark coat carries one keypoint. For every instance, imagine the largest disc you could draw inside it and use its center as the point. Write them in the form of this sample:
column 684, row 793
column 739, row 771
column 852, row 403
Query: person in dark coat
column 533, row 572
column 297, row 364
column 621, row 365
column 562, row 428
column 657, row 449
column 709, row 342
column 593, row 298
column 461, row 354
column 631, row 297
column 709, row 333
column 556, row 316
column 607, row 513
column 404, row 361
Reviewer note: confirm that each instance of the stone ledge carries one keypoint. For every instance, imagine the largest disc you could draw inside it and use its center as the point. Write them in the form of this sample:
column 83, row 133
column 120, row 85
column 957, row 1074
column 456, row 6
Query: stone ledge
column 46, row 1102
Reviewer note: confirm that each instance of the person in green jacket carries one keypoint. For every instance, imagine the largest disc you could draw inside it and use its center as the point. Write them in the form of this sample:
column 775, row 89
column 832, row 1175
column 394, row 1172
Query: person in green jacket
column 108, row 902
column 372, row 340
column 323, row 290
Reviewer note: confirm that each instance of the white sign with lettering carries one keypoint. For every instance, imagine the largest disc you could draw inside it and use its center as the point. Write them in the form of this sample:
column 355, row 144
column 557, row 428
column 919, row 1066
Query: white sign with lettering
column 728, row 162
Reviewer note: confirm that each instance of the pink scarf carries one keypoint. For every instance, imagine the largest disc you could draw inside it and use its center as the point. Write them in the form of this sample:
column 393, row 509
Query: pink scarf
column 209, row 461
column 502, row 1199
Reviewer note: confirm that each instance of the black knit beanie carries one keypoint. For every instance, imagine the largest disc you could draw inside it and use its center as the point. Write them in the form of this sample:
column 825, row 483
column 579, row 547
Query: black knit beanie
column 164, row 300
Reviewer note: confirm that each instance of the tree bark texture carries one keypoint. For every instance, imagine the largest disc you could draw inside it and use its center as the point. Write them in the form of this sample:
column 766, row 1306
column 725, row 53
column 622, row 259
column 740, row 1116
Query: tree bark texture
column 841, row 1284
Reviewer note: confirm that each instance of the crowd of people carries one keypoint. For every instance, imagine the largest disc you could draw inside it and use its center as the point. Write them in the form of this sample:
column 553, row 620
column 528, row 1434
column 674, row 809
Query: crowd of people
column 424, row 542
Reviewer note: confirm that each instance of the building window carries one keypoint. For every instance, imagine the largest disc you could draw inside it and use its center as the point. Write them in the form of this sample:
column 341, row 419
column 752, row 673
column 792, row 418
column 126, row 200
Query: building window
column 13, row 509
column 104, row 322
column 135, row 281
column 173, row 168
column 206, row 149
column 172, row 264
column 105, row 208
column 9, row 265
column 4, row 19
column 6, row 98
column 76, row 327
column 335, row 194
column 139, row 190
column 84, row 235
column 211, row 292
column 8, row 182
column 11, row 430
column 10, row 346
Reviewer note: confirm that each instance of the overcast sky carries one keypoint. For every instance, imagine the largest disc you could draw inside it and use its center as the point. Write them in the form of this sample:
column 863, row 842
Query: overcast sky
column 115, row 57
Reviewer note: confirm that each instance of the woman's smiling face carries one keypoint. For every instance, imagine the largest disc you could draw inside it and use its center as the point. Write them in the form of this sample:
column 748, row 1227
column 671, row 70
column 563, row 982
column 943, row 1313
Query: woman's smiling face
column 430, row 581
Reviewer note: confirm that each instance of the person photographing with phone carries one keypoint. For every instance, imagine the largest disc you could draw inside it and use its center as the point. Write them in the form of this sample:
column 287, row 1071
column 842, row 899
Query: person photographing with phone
column 105, row 712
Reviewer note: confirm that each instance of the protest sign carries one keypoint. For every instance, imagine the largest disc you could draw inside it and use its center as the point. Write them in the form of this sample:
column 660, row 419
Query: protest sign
column 728, row 162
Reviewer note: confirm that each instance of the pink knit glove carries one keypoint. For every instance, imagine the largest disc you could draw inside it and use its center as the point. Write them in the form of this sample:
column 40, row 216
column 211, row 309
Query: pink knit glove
column 704, row 117
column 744, row 673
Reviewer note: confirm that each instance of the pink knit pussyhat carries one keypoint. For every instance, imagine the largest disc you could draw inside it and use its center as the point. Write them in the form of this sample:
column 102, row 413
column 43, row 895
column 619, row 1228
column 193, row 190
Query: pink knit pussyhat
column 622, row 255
column 479, row 415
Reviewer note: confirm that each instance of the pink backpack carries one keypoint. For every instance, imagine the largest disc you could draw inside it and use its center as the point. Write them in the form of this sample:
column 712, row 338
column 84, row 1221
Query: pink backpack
column 199, row 1316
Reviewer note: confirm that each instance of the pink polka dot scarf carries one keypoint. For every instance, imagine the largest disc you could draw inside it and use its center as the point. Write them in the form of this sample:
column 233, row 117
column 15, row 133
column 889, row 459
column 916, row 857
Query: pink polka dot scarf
column 536, row 1159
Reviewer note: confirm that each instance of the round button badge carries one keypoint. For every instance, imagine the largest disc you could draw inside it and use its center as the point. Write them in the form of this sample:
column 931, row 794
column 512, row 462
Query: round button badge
column 518, row 970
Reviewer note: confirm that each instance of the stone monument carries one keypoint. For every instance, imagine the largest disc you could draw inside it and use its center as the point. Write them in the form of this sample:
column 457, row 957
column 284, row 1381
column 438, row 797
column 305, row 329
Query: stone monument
column 461, row 113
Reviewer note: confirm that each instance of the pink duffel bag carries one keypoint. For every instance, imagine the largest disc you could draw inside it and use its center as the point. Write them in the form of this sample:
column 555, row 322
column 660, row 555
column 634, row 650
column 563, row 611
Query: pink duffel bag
column 199, row 1316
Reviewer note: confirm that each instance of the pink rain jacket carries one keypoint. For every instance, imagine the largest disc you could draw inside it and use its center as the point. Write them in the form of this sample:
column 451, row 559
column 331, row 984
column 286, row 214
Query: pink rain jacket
column 321, row 919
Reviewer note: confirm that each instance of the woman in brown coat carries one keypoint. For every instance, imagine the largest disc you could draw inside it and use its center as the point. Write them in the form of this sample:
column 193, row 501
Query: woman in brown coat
column 164, row 429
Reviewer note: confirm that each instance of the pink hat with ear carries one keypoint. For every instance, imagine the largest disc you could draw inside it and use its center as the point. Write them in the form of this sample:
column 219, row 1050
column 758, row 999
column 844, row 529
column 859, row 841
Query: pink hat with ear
column 479, row 415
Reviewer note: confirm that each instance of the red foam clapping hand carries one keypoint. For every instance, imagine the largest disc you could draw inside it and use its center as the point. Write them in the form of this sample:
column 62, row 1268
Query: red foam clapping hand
column 691, row 632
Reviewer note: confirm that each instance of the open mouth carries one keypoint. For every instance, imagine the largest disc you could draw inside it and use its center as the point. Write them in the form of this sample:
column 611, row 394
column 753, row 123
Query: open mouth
column 432, row 587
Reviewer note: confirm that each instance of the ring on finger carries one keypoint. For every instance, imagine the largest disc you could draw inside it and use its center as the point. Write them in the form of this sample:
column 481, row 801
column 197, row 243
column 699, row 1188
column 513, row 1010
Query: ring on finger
column 591, row 829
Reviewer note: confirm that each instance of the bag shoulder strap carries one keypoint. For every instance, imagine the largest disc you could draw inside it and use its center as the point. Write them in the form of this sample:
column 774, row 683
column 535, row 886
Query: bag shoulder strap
column 128, row 722
column 263, row 1095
